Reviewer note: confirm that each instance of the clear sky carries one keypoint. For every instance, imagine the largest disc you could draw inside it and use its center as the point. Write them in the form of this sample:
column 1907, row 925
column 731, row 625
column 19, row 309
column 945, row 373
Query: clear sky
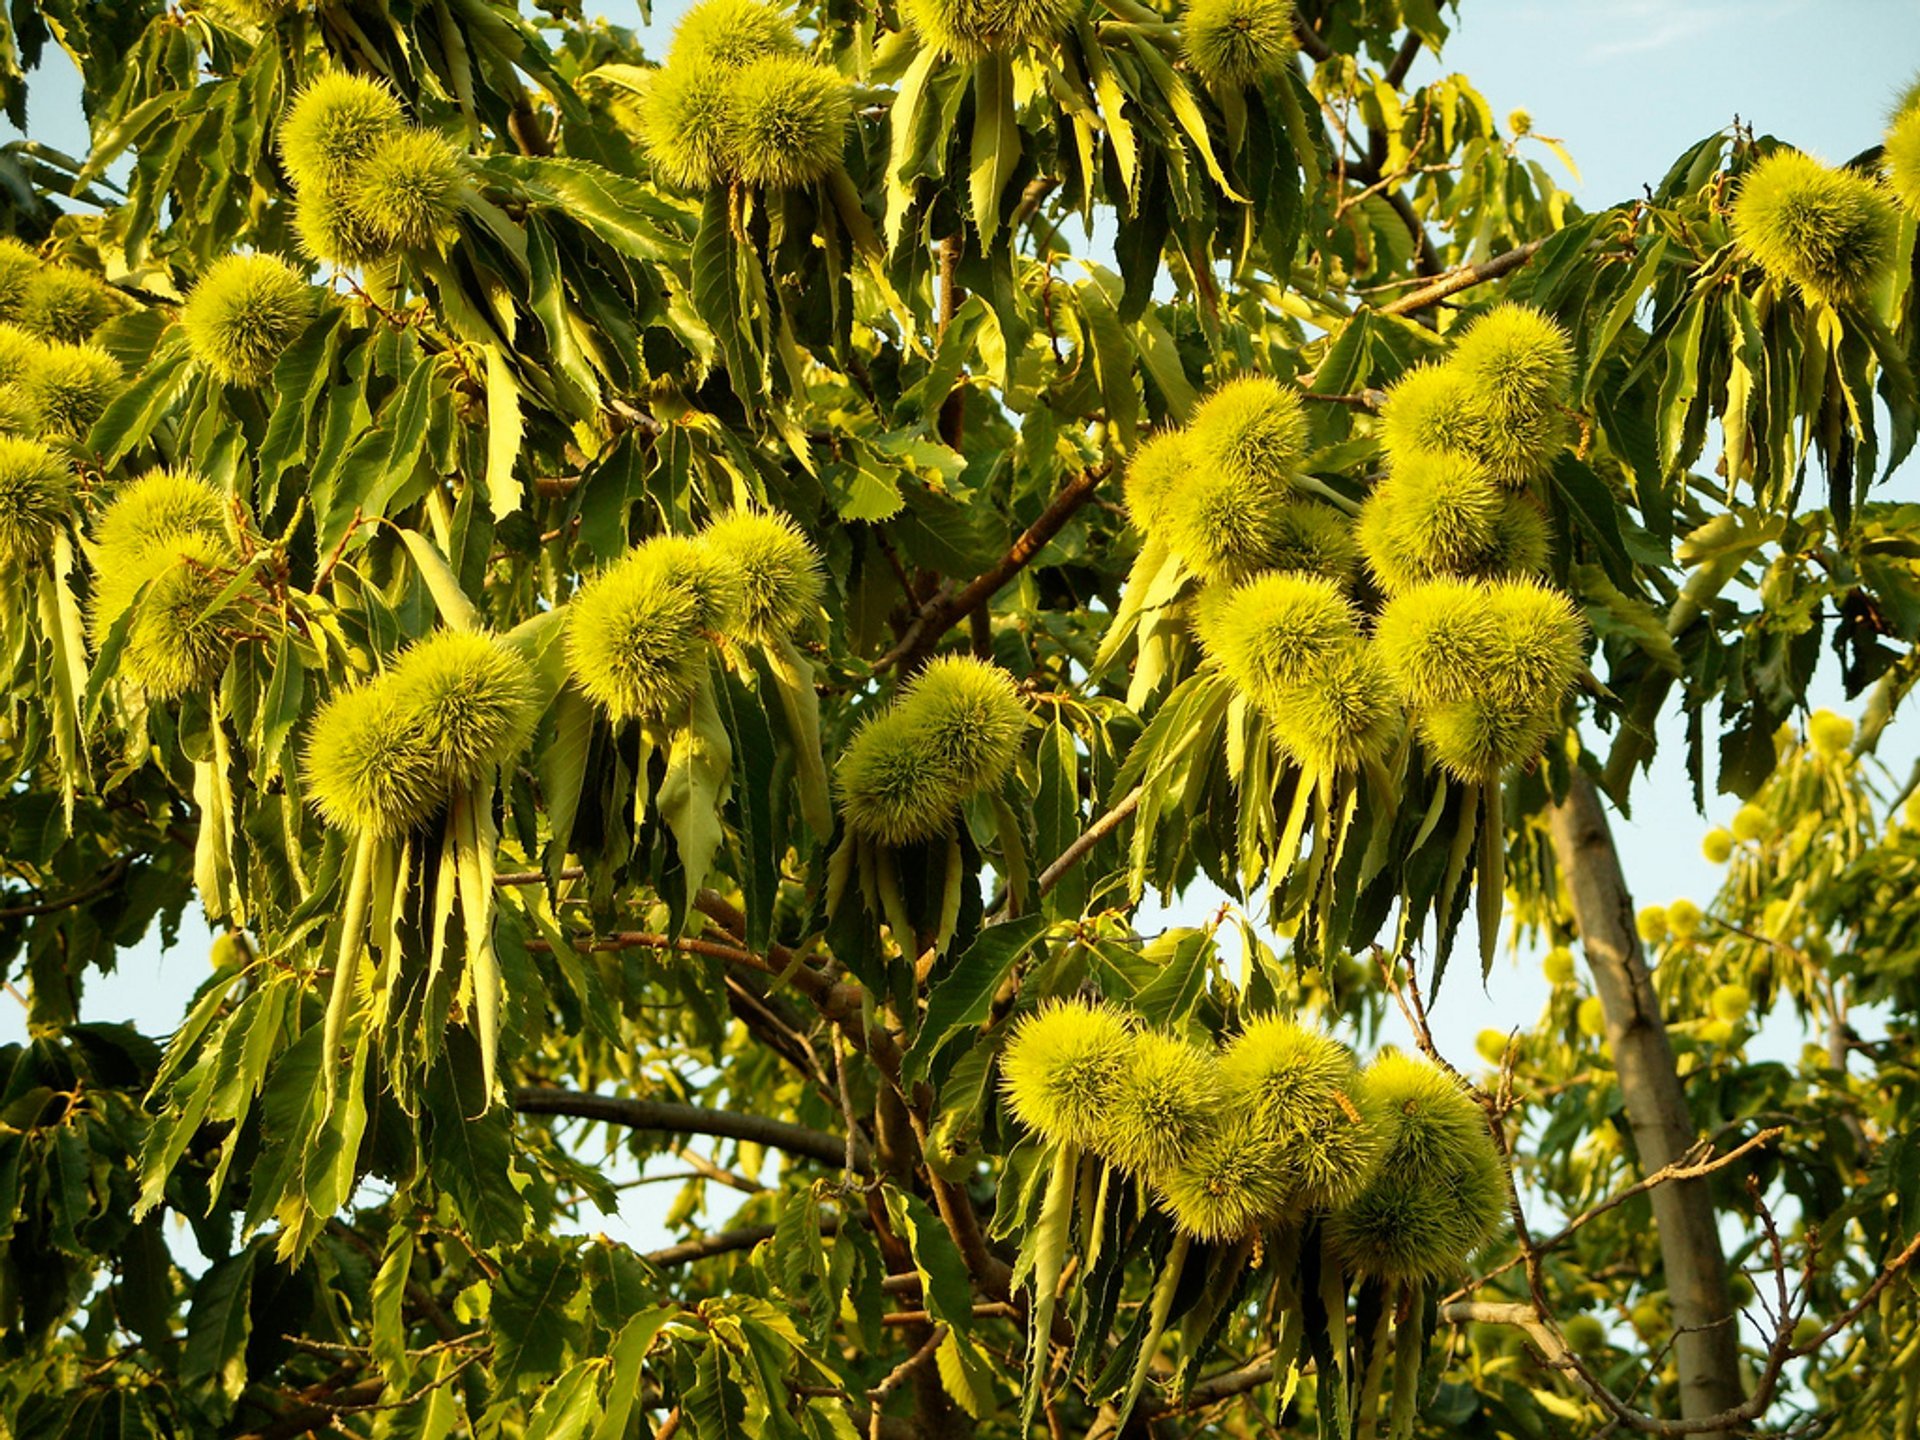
column 1627, row 85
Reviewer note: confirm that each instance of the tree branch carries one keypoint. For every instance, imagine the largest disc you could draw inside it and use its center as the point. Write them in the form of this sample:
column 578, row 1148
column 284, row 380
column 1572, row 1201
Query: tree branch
column 92, row 890
column 676, row 1118
column 1698, row 1163
column 1396, row 74
column 1311, row 45
column 940, row 613
column 1706, row 1346
column 1090, row 837
column 1464, row 278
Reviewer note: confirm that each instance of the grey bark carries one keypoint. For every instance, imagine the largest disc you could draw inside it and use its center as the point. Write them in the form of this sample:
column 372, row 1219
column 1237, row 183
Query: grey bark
column 1706, row 1344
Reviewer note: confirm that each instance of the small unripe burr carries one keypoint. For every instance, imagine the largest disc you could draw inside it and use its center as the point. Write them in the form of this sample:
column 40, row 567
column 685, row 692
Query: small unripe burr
column 1538, row 642
column 1314, row 538
column 1155, row 473
column 333, row 125
column 1522, row 541
column 634, row 643
column 1431, row 408
column 244, row 313
column 1440, row 1189
column 1751, row 822
column 1829, row 733
column 970, row 719
column 1730, row 1003
column 1344, row 713
column 1480, row 737
column 780, row 580
column 18, row 414
column 1268, row 633
column 1231, row 1183
column 70, row 387
column 36, row 496
column 407, row 192
column 369, row 768
column 1685, row 918
column 18, row 264
column 1061, row 1069
column 1436, row 514
column 19, row 353
column 331, row 230
column 1903, row 158
column 701, row 571
column 65, row 305
column 1651, row 923
column 1829, row 232
column 1517, row 365
column 788, row 124
column 180, row 639
column 1436, row 639
column 971, row 29
column 1305, row 1086
column 1222, row 525
column 893, row 788
column 1232, row 44
column 686, row 120
column 1254, row 429
column 1590, row 1017
column 159, row 504
column 471, row 696
column 730, row 34
column 141, row 532
column 1167, row 1094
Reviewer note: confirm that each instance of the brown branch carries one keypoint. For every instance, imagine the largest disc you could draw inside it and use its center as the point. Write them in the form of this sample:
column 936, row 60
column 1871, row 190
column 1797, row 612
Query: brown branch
column 705, row 1247
column 651, row 940
column 985, row 1310
column 1396, row 74
column 899, row 1375
column 110, row 877
column 1363, row 400
column 673, row 1117
column 1464, row 278
column 1888, row 1273
column 1311, row 45
column 940, row 613
column 1088, row 838
column 835, row 1000
column 727, row 1242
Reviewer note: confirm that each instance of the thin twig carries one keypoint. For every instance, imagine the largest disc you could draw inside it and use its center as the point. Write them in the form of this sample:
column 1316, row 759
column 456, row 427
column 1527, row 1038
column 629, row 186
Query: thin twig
column 942, row 612
column 1464, row 278
column 675, row 1118
column 899, row 1376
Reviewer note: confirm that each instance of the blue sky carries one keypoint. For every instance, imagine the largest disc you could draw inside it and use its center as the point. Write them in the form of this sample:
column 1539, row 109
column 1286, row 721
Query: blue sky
column 1626, row 85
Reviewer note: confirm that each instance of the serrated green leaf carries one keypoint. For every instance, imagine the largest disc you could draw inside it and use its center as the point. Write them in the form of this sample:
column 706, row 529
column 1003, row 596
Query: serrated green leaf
column 964, row 996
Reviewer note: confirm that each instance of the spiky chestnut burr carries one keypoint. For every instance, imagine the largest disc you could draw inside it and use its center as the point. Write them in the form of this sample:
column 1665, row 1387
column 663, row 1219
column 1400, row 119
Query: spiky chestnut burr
column 244, row 313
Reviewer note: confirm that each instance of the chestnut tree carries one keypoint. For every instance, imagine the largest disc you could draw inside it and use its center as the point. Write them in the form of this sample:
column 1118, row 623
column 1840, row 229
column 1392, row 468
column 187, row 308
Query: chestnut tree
column 676, row 611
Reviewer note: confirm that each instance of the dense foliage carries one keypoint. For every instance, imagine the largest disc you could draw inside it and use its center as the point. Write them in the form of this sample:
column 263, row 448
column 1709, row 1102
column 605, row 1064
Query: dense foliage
column 700, row 599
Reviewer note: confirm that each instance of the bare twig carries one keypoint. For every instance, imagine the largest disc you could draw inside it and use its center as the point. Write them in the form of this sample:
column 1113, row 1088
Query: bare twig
column 1464, row 278
column 1090, row 837
column 899, row 1376
column 943, row 611
column 674, row 1118
column 1697, row 1163
column 92, row 890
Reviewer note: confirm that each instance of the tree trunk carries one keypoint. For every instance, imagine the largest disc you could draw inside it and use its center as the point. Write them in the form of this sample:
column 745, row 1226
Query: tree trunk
column 1706, row 1344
